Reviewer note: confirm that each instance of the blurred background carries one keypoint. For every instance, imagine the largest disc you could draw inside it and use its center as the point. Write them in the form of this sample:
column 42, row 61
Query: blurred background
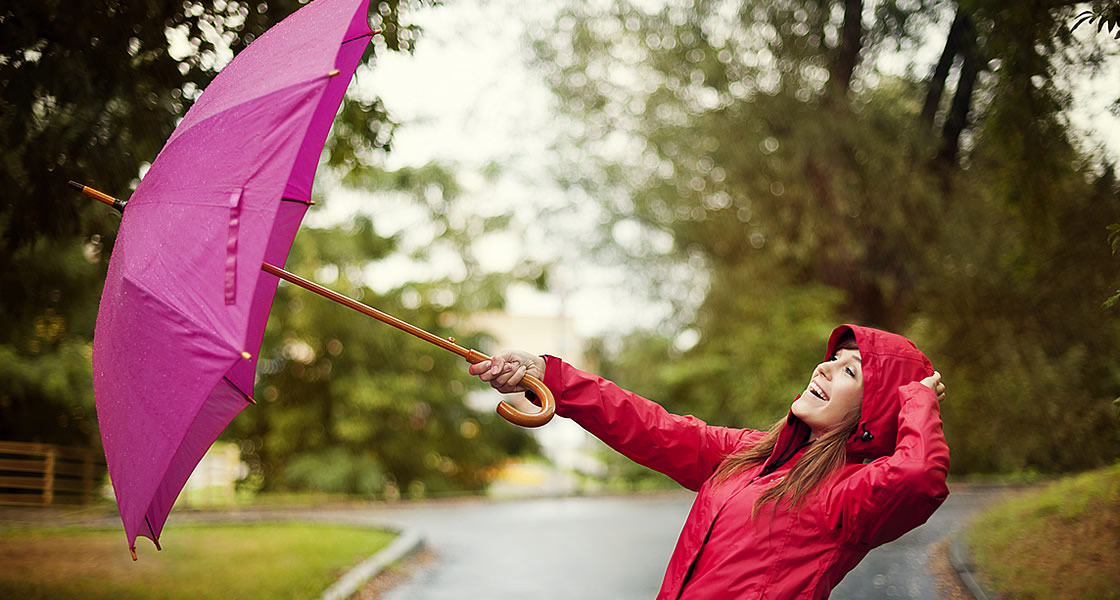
column 685, row 197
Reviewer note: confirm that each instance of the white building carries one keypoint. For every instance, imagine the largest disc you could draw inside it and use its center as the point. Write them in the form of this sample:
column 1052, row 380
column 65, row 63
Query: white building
column 566, row 444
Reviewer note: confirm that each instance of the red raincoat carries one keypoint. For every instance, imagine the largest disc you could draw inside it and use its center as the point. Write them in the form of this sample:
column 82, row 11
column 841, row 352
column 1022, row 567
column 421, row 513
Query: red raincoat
column 722, row 551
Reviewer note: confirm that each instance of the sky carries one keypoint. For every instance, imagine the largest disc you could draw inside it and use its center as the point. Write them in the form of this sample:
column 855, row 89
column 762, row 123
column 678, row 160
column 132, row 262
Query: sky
column 467, row 97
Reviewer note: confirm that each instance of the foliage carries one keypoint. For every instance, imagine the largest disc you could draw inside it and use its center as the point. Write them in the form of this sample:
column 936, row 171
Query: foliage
column 92, row 95
column 1077, row 520
column 273, row 560
column 1114, row 242
column 349, row 404
column 811, row 185
column 1105, row 14
column 346, row 404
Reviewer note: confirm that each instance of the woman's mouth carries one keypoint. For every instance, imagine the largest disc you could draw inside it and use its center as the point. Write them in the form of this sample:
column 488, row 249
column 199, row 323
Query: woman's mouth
column 816, row 390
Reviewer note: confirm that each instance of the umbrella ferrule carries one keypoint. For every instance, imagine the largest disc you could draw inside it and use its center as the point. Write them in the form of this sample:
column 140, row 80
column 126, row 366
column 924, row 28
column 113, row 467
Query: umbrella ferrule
column 100, row 196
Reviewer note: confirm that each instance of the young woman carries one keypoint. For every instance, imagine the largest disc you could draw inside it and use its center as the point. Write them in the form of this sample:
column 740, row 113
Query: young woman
column 785, row 513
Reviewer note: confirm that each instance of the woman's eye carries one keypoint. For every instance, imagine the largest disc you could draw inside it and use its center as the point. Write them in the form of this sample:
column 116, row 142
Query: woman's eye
column 849, row 371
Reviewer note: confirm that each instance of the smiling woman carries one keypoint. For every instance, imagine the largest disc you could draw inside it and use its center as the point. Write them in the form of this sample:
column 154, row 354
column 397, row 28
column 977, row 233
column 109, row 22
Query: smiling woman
column 859, row 460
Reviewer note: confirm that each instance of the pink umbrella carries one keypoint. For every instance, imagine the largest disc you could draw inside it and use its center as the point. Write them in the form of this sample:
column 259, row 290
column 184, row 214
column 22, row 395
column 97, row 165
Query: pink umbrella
column 184, row 307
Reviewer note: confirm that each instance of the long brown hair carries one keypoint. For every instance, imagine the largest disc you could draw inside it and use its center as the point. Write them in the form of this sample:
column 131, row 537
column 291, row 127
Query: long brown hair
column 824, row 457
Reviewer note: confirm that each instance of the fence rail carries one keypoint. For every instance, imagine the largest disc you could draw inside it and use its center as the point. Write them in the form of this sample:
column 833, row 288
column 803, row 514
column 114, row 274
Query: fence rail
column 45, row 474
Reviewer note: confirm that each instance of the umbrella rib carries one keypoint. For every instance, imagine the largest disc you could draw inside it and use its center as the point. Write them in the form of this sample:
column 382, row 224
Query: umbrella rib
column 151, row 530
column 248, row 398
column 362, row 35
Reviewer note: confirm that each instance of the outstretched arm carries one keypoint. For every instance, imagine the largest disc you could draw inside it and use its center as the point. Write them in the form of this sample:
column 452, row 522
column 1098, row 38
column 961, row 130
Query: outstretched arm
column 682, row 447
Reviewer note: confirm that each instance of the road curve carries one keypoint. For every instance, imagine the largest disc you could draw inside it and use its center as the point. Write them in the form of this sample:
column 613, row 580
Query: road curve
column 616, row 548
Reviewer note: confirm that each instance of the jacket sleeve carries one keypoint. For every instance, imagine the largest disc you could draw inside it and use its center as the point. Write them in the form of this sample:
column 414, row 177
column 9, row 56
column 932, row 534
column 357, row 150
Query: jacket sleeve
column 894, row 494
column 682, row 447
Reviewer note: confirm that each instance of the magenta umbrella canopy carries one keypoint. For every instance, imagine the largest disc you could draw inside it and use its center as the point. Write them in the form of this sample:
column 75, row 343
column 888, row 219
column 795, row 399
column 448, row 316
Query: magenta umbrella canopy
column 185, row 302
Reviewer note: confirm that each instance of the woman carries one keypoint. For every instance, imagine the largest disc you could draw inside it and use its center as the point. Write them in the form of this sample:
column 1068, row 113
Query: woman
column 785, row 513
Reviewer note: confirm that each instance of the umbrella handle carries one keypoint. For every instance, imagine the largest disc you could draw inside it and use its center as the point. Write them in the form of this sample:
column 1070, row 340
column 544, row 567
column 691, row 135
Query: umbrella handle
column 536, row 387
column 548, row 403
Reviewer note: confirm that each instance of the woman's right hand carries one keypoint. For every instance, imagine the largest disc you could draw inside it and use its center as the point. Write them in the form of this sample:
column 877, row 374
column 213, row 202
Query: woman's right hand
column 934, row 383
column 505, row 370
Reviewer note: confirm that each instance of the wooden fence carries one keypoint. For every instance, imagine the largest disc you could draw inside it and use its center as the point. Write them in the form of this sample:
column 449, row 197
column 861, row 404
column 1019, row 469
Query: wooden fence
column 44, row 474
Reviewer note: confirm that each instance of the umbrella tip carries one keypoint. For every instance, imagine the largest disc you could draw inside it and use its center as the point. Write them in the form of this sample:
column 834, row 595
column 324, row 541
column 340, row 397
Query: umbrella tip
column 333, row 73
column 246, row 355
column 76, row 185
column 132, row 549
column 158, row 547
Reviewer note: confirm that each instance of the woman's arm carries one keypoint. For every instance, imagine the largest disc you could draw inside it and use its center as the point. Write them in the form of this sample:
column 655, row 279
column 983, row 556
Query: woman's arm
column 682, row 447
column 894, row 494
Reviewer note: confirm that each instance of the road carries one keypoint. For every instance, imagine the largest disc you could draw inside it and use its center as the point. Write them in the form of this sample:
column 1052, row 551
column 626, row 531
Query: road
column 616, row 548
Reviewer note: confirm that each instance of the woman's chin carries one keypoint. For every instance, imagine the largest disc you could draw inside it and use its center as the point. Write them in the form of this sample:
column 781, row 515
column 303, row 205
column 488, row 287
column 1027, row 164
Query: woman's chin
column 802, row 408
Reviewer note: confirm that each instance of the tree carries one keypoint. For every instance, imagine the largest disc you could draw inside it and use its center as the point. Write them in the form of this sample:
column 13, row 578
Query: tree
column 348, row 404
column 91, row 94
column 812, row 185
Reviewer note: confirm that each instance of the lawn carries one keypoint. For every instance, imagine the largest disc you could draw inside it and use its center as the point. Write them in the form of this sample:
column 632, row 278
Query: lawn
column 285, row 560
column 1060, row 542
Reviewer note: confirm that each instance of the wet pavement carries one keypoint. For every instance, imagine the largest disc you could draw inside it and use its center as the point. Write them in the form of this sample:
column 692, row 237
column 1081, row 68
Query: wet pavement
column 900, row 569
column 583, row 547
column 617, row 548
column 597, row 547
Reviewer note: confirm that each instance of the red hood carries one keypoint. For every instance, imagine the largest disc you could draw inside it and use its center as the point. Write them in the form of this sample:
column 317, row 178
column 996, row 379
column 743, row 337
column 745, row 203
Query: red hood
column 890, row 361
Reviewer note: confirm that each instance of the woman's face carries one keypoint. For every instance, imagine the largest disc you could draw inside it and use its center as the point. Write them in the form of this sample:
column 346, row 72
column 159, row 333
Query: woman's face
column 834, row 391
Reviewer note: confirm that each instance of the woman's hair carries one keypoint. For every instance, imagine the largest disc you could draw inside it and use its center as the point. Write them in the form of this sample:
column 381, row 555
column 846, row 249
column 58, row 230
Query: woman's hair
column 823, row 458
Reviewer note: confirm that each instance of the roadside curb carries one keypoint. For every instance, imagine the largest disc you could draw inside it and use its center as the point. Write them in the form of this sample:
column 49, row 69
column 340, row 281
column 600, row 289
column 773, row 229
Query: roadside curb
column 961, row 561
column 407, row 542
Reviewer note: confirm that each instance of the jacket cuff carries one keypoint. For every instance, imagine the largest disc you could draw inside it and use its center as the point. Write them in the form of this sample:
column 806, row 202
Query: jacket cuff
column 914, row 390
column 553, row 378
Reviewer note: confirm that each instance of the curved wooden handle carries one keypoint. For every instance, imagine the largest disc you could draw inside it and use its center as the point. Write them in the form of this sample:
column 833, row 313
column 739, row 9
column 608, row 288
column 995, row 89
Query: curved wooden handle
column 548, row 406
column 536, row 386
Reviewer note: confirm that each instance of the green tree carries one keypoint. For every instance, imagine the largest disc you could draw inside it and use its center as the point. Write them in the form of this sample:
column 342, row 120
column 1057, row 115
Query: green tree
column 346, row 404
column 812, row 182
column 91, row 93
column 349, row 404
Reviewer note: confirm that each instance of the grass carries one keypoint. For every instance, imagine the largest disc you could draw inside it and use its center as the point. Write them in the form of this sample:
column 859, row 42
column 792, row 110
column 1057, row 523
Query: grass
column 285, row 560
column 1060, row 542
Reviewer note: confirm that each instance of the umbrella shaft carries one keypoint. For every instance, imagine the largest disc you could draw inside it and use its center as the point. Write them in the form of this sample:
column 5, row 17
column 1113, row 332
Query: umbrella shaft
column 472, row 356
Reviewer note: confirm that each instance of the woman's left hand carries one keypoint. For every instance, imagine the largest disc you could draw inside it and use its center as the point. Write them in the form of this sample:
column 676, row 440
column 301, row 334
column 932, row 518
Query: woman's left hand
column 934, row 383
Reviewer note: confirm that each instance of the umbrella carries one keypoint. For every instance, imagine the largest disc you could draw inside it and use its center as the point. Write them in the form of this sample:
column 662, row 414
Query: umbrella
column 185, row 302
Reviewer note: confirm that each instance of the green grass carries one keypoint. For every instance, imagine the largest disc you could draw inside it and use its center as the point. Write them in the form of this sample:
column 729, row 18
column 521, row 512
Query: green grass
column 1060, row 542
column 285, row 560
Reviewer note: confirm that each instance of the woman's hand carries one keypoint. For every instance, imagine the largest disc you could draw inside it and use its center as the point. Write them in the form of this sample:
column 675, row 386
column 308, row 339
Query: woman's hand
column 934, row 383
column 505, row 370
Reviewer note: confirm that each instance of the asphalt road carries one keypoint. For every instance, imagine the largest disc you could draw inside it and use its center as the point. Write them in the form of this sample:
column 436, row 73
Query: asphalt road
column 616, row 548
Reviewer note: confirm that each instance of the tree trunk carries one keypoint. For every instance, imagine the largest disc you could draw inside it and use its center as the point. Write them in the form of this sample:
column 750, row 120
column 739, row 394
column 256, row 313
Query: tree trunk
column 941, row 71
column 847, row 52
column 957, row 119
